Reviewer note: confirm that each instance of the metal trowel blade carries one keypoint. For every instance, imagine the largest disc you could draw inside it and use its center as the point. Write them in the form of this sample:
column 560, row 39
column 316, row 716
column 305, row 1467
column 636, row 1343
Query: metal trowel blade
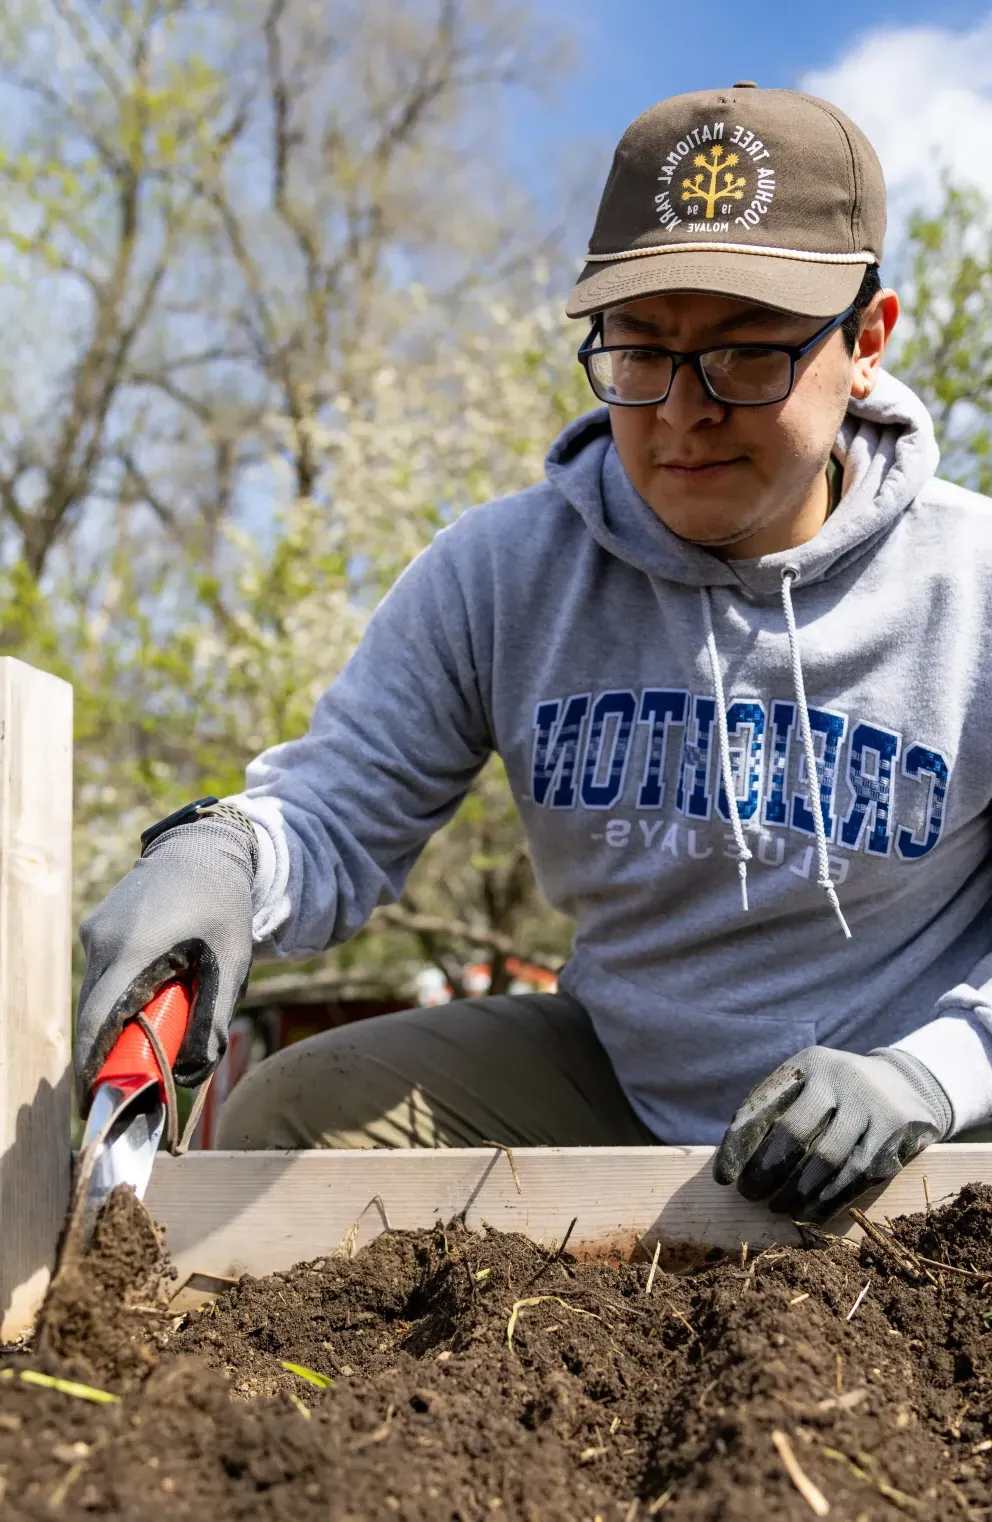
column 124, row 1132
column 130, row 1146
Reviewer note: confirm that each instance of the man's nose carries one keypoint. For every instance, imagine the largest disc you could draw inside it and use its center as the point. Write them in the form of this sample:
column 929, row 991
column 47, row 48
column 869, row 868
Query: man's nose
column 687, row 403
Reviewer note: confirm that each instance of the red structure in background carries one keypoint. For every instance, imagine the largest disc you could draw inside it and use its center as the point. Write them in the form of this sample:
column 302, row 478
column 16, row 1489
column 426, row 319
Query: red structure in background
column 526, row 978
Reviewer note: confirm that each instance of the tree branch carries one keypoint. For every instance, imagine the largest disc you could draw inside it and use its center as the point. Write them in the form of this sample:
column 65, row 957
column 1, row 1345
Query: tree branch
column 458, row 930
column 62, row 107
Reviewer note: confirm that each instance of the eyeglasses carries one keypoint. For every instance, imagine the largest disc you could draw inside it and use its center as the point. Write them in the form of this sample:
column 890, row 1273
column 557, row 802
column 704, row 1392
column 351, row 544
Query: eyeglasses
column 741, row 375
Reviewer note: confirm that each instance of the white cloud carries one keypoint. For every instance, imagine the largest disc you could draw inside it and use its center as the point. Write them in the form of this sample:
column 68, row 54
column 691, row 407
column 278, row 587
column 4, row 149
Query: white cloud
column 923, row 96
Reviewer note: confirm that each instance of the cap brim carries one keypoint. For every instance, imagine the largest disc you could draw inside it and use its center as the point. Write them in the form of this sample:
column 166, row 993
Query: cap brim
column 804, row 287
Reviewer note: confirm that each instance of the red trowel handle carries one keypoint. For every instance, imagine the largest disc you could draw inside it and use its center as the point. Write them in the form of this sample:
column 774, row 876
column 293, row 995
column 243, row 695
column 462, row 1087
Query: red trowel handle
column 132, row 1062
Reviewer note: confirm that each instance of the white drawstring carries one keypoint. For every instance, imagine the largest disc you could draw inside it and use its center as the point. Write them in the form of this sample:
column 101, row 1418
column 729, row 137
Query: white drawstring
column 789, row 575
column 744, row 855
column 729, row 785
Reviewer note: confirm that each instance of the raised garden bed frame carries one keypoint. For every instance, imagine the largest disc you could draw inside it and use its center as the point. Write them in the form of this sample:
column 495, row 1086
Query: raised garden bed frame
column 232, row 1212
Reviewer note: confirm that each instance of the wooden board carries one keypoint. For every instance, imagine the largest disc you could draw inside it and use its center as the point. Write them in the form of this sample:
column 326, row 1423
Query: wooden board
column 35, row 982
column 255, row 1212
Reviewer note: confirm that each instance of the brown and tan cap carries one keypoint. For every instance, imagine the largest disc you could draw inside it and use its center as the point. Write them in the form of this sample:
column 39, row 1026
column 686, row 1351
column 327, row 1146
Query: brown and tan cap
column 768, row 195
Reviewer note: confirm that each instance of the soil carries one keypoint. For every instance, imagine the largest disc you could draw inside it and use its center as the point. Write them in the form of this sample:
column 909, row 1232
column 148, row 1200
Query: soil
column 101, row 1308
column 478, row 1375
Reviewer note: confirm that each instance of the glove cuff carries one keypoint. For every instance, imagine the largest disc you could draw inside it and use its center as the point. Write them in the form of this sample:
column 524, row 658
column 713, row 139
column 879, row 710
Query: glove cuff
column 920, row 1078
column 210, row 841
column 226, row 814
column 230, row 814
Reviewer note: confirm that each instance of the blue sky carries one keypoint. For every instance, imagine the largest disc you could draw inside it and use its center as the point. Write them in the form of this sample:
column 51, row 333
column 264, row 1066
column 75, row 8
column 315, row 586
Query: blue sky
column 634, row 52
column 916, row 75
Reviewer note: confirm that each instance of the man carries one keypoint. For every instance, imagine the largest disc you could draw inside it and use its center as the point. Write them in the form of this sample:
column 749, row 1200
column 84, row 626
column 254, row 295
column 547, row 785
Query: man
column 731, row 653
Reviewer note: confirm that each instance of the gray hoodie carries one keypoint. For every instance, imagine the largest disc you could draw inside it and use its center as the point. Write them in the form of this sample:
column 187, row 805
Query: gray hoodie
column 660, row 713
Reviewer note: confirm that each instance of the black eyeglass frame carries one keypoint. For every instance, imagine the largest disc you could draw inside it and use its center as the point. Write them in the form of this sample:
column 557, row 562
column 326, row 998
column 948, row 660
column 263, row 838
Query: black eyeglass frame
column 694, row 357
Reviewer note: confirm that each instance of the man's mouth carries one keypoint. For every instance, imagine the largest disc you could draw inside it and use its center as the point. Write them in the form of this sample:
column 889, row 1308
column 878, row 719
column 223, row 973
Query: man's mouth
column 697, row 470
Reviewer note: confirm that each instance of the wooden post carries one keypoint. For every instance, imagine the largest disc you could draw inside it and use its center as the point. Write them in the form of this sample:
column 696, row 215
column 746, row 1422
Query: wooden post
column 35, row 983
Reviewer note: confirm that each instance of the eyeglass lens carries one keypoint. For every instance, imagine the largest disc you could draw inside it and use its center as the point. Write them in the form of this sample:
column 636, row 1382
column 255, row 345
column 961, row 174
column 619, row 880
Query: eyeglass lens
column 735, row 375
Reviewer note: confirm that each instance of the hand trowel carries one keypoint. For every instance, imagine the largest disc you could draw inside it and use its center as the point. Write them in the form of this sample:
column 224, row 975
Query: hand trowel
column 127, row 1114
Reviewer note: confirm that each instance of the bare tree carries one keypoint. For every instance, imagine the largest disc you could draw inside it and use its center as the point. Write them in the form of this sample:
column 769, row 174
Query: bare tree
column 263, row 256
column 217, row 206
column 99, row 207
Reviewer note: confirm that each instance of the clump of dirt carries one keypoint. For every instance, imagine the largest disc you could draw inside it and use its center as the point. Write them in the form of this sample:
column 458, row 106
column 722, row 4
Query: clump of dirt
column 477, row 1375
column 102, row 1308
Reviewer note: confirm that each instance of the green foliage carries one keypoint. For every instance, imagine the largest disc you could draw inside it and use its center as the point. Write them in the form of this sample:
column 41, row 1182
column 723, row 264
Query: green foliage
column 241, row 425
column 946, row 355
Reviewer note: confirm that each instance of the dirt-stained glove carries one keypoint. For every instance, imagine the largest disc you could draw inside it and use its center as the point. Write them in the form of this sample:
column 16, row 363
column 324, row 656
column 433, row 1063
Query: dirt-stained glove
column 827, row 1125
column 184, row 908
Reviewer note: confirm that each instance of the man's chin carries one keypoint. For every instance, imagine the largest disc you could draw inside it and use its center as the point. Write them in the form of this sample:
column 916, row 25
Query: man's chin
column 710, row 531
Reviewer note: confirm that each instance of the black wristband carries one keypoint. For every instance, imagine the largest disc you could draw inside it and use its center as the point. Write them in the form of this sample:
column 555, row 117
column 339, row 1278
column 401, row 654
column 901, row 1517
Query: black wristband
column 185, row 815
column 201, row 809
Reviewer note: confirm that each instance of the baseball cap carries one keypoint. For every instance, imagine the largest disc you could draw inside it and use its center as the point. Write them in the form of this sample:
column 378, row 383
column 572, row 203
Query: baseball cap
column 772, row 196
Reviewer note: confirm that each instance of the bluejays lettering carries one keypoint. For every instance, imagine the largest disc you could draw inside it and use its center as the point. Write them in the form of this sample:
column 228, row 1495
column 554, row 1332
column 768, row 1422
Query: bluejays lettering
column 659, row 749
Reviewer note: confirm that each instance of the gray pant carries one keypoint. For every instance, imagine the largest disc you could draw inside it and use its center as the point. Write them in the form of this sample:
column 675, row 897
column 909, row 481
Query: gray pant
column 525, row 1070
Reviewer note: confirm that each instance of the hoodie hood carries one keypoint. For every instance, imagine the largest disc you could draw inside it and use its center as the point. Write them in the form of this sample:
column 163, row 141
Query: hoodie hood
column 886, row 444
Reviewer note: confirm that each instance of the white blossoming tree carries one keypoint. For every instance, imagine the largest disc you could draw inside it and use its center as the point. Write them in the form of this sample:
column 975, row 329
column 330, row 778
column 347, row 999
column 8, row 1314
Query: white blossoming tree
column 287, row 319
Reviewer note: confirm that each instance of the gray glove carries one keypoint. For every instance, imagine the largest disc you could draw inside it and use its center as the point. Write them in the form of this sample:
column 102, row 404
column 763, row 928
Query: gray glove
column 827, row 1125
column 184, row 908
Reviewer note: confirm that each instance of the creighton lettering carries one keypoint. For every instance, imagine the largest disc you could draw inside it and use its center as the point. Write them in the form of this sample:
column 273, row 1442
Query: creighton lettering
column 556, row 750
column 693, row 797
column 615, row 751
column 872, row 789
column 751, row 718
column 831, row 727
column 921, row 761
column 776, row 810
column 659, row 710
column 607, row 749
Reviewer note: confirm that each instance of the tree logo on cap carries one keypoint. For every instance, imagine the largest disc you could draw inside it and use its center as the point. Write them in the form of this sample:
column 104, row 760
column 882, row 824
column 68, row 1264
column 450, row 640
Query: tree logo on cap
column 712, row 192
column 732, row 188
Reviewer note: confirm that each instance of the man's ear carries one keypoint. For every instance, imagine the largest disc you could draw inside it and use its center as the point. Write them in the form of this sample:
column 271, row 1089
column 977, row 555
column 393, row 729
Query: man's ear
column 881, row 316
